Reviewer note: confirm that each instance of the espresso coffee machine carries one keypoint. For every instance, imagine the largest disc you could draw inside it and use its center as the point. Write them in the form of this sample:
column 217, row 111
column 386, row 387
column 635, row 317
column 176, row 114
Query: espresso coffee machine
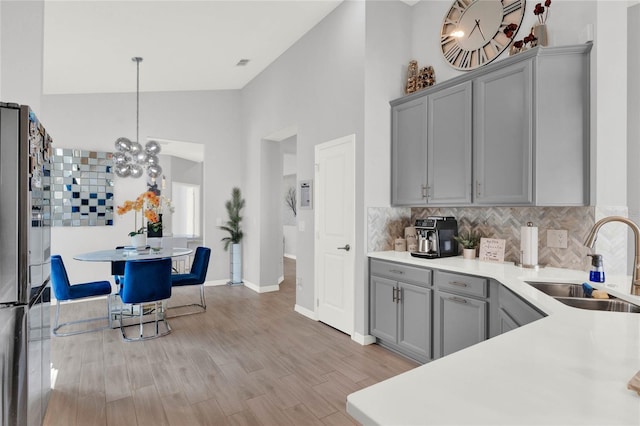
column 436, row 237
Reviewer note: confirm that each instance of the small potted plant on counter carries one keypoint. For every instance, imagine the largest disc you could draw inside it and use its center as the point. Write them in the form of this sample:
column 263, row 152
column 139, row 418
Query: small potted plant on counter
column 469, row 243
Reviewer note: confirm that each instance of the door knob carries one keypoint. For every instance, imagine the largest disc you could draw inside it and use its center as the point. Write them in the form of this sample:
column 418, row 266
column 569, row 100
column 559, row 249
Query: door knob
column 347, row 247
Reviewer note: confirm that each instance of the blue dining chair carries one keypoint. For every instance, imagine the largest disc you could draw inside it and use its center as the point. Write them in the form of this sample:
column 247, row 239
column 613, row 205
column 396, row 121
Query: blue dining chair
column 196, row 276
column 64, row 292
column 117, row 269
column 146, row 281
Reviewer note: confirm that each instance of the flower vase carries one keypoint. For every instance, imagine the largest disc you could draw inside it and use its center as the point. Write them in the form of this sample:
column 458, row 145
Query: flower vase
column 139, row 241
column 469, row 253
column 540, row 32
column 155, row 231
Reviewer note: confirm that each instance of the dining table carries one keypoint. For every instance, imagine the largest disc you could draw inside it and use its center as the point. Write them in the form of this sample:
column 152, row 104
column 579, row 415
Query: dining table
column 118, row 309
column 124, row 254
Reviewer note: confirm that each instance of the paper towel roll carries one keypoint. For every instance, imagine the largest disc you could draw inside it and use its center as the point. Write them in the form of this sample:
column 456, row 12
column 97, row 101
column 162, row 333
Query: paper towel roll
column 529, row 244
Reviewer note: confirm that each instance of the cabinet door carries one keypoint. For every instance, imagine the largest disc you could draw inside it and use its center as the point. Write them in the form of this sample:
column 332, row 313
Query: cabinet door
column 409, row 152
column 383, row 309
column 449, row 146
column 506, row 322
column 459, row 323
column 519, row 311
column 503, row 136
column 414, row 320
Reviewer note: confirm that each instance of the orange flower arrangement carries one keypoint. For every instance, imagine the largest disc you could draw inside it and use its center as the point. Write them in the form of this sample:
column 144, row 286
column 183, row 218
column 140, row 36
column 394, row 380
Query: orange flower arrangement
column 147, row 202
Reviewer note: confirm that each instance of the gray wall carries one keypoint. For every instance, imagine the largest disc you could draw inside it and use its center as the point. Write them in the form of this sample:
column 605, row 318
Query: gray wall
column 317, row 85
column 21, row 45
column 95, row 121
column 633, row 126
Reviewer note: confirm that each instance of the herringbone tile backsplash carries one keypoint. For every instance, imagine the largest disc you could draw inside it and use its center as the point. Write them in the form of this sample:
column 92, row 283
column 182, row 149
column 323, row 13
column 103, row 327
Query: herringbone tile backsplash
column 385, row 224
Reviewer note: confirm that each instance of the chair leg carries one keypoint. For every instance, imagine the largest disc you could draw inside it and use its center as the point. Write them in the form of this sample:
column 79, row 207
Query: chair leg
column 202, row 305
column 57, row 326
column 141, row 323
column 156, row 322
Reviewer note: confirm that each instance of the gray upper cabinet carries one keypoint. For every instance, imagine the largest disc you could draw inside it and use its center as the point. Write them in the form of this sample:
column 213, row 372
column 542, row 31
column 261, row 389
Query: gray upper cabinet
column 562, row 127
column 503, row 136
column 409, row 153
column 449, row 146
column 431, row 148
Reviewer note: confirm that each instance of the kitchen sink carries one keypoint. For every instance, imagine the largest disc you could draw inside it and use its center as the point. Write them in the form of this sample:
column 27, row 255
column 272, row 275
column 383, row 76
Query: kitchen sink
column 559, row 289
column 573, row 295
column 613, row 305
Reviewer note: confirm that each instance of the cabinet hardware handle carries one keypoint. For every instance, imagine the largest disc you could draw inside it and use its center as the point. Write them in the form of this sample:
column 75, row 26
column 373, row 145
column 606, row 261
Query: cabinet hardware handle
column 459, row 284
column 478, row 188
column 399, row 295
column 424, row 191
column 396, row 271
column 395, row 299
column 458, row 300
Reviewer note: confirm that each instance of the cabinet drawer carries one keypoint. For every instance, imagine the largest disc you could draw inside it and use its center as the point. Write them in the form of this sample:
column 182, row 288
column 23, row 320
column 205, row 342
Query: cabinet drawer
column 401, row 272
column 461, row 284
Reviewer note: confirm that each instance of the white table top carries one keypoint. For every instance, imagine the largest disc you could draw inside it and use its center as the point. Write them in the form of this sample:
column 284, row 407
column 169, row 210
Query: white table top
column 571, row 367
column 115, row 255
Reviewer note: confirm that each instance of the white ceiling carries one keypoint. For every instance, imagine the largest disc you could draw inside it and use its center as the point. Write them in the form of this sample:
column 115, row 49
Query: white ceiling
column 186, row 45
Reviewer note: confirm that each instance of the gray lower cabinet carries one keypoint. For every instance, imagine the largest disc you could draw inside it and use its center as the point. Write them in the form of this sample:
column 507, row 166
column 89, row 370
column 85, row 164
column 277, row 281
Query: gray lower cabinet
column 513, row 312
column 426, row 314
column 460, row 312
column 400, row 312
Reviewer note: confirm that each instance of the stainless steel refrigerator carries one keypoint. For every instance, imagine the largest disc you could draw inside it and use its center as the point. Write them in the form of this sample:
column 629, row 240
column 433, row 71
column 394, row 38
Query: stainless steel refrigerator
column 25, row 217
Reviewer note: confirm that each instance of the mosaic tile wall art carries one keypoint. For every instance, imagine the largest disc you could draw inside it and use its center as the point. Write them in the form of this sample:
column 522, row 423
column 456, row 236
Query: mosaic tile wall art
column 81, row 185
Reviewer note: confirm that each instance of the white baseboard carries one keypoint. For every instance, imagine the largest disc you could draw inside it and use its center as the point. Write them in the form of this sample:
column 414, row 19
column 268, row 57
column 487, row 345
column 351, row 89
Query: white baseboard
column 263, row 289
column 213, row 283
column 306, row 312
column 363, row 339
column 290, row 256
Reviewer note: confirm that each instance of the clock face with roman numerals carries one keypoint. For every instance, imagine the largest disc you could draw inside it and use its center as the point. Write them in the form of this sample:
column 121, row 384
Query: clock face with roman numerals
column 473, row 31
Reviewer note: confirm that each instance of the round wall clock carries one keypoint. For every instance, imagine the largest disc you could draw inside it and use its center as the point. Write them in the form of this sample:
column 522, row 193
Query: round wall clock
column 473, row 31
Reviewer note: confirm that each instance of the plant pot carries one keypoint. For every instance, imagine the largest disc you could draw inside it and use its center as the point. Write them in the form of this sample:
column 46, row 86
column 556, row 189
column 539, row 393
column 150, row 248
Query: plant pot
column 139, row 241
column 469, row 253
column 235, row 260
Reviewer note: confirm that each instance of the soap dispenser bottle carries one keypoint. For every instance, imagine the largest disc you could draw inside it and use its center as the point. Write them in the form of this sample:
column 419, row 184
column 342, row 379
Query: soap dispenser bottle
column 596, row 274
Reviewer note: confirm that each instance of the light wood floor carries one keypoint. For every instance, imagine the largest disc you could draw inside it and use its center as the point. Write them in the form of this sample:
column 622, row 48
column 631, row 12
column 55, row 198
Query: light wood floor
column 249, row 360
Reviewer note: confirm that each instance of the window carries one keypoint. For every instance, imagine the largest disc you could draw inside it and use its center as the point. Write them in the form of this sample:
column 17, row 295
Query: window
column 186, row 201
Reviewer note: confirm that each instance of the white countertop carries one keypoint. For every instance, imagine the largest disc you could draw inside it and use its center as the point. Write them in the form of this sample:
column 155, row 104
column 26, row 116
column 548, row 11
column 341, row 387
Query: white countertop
column 571, row 367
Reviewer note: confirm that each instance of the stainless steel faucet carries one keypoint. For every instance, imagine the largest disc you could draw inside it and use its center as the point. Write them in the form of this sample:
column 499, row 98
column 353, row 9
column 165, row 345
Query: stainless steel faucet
column 593, row 234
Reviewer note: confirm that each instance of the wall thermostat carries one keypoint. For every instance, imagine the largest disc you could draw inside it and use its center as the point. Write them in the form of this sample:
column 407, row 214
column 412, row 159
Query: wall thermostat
column 306, row 194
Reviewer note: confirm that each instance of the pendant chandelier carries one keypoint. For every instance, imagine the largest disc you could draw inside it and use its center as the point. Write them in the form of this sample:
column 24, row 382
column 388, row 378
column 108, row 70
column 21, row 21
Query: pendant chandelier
column 130, row 158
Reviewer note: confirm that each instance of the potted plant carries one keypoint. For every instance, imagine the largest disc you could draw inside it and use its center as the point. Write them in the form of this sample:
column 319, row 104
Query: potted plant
column 469, row 243
column 234, row 205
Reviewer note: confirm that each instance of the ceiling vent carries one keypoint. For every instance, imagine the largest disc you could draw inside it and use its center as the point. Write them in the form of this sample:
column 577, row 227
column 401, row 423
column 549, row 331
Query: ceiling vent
column 242, row 62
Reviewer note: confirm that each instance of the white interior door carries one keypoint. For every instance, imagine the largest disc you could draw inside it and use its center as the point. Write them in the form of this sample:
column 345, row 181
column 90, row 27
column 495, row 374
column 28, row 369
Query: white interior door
column 335, row 232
